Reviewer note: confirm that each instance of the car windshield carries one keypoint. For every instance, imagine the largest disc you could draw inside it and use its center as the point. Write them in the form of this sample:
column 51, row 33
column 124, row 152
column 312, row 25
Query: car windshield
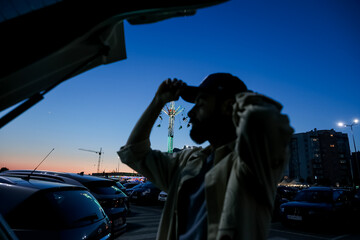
column 314, row 196
column 104, row 187
column 56, row 210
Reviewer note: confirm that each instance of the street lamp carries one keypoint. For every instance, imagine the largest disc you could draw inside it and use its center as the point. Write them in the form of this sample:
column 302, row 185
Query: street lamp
column 355, row 122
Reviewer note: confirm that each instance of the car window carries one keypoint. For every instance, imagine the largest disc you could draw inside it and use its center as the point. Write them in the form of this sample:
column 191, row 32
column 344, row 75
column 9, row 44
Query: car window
column 104, row 187
column 301, row 196
column 56, row 210
column 322, row 196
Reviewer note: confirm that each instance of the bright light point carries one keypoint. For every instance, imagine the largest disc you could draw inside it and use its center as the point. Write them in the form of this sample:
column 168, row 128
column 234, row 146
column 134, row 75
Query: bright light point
column 340, row 124
column 356, row 120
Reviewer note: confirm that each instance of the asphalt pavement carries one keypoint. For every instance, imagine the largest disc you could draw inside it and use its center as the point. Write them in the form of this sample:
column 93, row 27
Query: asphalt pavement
column 143, row 222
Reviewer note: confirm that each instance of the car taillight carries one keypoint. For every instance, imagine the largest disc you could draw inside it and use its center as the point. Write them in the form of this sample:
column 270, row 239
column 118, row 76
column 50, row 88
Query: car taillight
column 112, row 203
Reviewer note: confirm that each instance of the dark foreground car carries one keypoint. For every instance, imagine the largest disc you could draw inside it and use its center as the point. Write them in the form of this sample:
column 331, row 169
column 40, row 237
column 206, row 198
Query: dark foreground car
column 67, row 46
column 6, row 233
column 111, row 198
column 37, row 209
column 146, row 193
column 317, row 207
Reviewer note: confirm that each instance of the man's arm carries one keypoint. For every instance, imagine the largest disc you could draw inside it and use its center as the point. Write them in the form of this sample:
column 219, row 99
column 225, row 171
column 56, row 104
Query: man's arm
column 263, row 137
column 159, row 168
column 169, row 90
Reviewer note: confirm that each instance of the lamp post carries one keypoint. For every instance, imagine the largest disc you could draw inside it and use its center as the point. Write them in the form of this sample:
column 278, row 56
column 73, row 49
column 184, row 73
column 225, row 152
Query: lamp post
column 355, row 122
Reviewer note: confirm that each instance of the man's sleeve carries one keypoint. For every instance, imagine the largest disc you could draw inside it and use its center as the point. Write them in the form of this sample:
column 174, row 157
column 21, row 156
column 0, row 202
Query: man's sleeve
column 157, row 166
column 263, row 136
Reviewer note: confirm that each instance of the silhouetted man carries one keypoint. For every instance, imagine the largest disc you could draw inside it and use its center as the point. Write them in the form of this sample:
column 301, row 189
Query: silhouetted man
column 226, row 190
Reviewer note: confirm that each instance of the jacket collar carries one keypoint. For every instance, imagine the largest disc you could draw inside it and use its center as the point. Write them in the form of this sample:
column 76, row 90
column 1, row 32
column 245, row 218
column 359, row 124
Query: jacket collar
column 220, row 152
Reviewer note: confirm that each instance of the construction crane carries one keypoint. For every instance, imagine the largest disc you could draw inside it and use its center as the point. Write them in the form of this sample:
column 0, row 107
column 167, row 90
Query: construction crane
column 171, row 111
column 97, row 152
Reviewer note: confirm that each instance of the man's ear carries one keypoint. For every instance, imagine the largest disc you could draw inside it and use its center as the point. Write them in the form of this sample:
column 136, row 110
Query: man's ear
column 227, row 106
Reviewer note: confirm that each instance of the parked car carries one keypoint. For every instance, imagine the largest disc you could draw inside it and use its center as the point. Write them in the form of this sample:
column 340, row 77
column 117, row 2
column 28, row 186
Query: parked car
column 355, row 201
column 38, row 209
column 287, row 192
column 118, row 184
column 162, row 197
column 130, row 186
column 284, row 194
column 317, row 206
column 146, row 193
column 114, row 202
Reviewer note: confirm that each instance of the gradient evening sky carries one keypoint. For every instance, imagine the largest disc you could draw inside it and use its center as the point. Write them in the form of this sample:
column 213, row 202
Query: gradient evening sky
column 305, row 54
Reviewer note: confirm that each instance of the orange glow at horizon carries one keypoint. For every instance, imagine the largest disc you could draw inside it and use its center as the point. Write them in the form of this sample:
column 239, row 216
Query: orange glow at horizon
column 59, row 164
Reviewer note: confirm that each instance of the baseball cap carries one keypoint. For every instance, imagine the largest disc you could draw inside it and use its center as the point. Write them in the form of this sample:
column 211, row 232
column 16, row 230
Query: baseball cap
column 217, row 83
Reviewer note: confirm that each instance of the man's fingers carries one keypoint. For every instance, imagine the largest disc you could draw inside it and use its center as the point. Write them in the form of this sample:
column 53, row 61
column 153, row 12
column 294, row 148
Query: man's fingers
column 168, row 81
column 174, row 82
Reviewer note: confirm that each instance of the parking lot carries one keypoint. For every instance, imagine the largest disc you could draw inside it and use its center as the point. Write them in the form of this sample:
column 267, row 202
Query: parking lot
column 142, row 223
column 279, row 232
column 137, row 216
column 144, row 220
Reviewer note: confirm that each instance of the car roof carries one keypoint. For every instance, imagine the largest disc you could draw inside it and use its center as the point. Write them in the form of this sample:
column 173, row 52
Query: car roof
column 18, row 189
column 35, row 184
column 67, row 46
column 85, row 178
column 323, row 189
column 72, row 178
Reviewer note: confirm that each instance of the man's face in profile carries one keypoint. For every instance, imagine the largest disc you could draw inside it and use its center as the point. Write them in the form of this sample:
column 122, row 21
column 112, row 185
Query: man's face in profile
column 204, row 117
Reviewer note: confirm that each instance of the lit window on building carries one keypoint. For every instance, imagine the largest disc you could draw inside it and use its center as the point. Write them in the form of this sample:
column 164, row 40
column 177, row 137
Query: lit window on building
column 332, row 145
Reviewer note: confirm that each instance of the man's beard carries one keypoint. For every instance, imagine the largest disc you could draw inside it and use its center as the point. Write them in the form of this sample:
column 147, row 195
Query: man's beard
column 198, row 135
column 213, row 128
column 202, row 131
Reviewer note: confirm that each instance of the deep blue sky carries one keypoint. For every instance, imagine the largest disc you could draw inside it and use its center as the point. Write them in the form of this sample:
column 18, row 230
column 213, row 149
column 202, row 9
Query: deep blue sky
column 305, row 54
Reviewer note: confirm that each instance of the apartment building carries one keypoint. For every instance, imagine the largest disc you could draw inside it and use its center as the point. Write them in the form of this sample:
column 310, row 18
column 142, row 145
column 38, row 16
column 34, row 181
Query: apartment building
column 321, row 156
